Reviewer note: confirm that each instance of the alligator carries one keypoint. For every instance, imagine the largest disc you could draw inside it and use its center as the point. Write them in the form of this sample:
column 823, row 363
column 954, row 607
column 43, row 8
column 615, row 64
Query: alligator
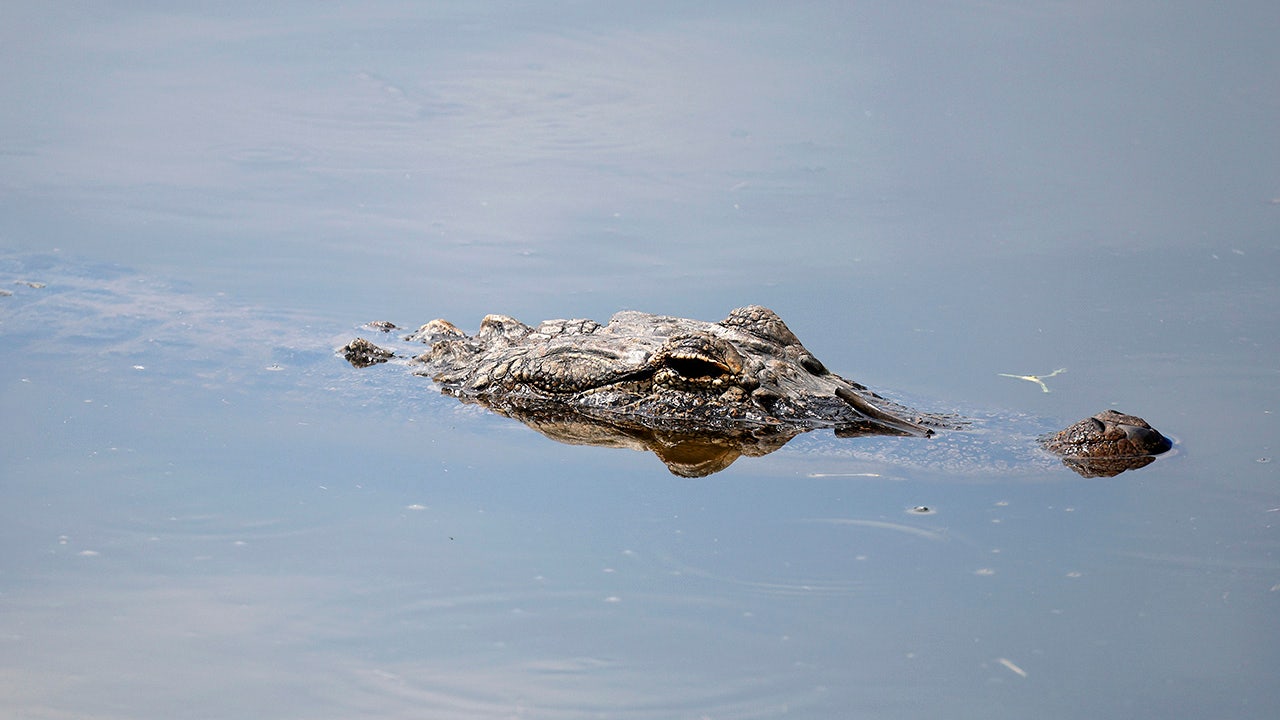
column 697, row 394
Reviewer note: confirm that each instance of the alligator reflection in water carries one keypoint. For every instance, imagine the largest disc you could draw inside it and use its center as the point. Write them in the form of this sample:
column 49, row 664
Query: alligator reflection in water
column 698, row 394
column 685, row 453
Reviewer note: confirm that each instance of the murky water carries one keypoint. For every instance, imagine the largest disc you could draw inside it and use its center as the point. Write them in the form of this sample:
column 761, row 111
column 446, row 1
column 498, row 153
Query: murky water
column 206, row 513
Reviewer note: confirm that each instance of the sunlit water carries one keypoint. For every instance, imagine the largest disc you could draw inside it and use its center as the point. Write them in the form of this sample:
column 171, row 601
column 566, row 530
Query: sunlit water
column 207, row 514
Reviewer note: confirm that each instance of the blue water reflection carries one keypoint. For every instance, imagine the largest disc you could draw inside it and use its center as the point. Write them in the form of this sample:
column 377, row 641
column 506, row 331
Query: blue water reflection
column 206, row 513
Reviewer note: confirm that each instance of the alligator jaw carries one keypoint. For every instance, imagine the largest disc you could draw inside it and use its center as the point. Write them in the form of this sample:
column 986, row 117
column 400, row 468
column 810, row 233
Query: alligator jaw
column 889, row 421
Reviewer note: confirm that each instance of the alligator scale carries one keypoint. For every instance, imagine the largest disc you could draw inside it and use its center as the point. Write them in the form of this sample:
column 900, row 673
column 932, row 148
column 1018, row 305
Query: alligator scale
column 698, row 394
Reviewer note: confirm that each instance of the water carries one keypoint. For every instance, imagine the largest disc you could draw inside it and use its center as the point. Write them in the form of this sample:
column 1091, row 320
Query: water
column 207, row 514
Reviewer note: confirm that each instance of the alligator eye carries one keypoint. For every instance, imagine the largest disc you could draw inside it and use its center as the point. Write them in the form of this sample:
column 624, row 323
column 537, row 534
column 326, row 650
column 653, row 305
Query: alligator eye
column 698, row 356
column 695, row 367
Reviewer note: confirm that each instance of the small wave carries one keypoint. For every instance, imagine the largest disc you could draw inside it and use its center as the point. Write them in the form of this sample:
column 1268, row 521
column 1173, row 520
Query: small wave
column 572, row 654
column 816, row 557
column 275, row 154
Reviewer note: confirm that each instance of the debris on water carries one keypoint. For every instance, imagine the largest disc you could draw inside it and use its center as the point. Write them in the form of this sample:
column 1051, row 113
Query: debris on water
column 1012, row 668
column 883, row 525
column 1037, row 379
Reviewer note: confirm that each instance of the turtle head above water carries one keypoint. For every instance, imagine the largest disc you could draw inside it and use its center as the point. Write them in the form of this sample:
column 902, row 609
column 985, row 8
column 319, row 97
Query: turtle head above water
column 1107, row 444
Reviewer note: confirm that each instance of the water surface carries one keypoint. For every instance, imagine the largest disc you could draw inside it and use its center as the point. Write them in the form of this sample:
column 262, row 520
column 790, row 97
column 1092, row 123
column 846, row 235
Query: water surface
column 208, row 514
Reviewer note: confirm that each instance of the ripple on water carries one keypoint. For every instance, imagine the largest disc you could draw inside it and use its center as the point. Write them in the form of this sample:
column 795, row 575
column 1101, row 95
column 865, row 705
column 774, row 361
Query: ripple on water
column 572, row 654
column 817, row 556
column 280, row 154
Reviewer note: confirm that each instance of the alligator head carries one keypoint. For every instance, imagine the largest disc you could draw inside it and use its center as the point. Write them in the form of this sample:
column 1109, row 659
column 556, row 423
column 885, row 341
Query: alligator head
column 746, row 373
